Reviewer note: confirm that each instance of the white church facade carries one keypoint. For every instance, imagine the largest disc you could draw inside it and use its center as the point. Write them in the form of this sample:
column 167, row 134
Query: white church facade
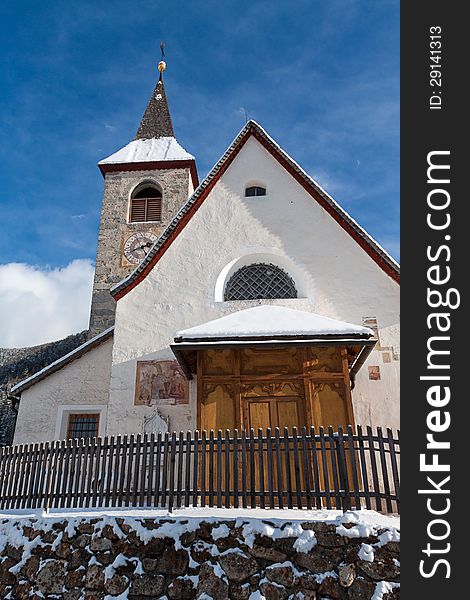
column 250, row 300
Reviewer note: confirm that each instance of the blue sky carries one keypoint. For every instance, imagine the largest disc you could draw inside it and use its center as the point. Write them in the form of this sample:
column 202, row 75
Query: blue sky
column 322, row 77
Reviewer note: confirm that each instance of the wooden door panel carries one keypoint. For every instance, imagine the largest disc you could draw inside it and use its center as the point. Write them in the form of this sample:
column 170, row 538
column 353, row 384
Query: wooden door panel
column 290, row 413
column 267, row 361
column 218, row 407
column 332, row 400
column 259, row 415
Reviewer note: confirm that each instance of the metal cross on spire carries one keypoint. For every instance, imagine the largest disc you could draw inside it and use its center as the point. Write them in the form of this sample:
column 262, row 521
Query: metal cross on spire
column 162, row 63
column 156, row 122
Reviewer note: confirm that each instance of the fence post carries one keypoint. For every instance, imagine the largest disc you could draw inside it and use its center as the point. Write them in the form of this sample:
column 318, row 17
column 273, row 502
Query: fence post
column 48, row 486
column 343, row 471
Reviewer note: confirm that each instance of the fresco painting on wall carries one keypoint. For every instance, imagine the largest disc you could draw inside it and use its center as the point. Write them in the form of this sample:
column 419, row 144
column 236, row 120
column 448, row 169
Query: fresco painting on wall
column 159, row 383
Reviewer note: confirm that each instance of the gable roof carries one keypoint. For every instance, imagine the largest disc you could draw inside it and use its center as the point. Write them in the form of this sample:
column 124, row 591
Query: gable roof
column 367, row 243
column 62, row 361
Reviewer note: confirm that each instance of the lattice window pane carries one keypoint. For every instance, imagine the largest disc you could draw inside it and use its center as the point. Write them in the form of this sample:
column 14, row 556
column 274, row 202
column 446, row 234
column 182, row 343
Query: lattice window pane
column 83, row 425
column 260, row 281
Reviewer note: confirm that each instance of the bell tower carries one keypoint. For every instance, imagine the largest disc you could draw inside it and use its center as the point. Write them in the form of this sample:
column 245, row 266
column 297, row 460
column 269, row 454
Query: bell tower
column 145, row 183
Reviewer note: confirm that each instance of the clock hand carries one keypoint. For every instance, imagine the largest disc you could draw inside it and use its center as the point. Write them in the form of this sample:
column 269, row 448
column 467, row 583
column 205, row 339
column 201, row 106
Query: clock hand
column 141, row 247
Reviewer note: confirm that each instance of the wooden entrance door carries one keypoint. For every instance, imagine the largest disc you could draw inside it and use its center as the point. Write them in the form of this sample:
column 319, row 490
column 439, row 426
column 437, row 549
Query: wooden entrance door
column 273, row 405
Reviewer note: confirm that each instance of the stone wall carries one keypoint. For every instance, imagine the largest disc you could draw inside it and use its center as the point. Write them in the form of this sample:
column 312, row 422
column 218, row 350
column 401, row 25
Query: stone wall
column 104, row 557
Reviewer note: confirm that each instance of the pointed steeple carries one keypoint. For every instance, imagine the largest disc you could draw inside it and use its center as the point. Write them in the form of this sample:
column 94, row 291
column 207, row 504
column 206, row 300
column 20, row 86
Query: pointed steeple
column 154, row 143
column 156, row 122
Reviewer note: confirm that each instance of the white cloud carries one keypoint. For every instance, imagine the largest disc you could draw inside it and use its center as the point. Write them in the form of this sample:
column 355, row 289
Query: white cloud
column 38, row 304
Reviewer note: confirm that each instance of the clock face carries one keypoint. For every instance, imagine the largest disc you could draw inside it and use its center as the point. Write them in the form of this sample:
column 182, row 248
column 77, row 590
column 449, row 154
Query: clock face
column 137, row 246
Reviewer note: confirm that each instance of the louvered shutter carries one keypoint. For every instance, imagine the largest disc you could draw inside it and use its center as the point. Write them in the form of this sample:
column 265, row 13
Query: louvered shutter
column 154, row 209
column 138, row 210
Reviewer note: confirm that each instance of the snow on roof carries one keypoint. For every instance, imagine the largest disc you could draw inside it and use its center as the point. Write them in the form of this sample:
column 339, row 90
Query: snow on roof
column 274, row 322
column 62, row 361
column 148, row 150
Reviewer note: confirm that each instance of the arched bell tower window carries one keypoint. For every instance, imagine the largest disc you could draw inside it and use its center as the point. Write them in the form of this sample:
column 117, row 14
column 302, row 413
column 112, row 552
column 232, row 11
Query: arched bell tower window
column 146, row 204
column 260, row 281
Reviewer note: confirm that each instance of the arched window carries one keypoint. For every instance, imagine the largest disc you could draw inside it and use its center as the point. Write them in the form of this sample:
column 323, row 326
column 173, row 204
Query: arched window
column 146, row 205
column 260, row 281
column 255, row 190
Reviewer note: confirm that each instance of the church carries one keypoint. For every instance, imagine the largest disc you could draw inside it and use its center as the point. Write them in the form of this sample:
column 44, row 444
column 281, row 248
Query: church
column 250, row 299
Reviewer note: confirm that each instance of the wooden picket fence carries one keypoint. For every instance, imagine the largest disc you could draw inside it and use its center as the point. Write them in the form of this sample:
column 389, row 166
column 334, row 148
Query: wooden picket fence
column 297, row 469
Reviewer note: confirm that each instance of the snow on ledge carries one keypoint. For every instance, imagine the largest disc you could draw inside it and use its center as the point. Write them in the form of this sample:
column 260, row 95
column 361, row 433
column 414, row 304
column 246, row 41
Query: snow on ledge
column 151, row 150
column 360, row 519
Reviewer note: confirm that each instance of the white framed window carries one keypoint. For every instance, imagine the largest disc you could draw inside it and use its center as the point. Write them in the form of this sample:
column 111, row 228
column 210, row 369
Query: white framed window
column 84, row 420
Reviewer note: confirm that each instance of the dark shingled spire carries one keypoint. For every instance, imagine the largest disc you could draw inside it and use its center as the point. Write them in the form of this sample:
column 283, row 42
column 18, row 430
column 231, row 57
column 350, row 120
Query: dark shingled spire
column 156, row 121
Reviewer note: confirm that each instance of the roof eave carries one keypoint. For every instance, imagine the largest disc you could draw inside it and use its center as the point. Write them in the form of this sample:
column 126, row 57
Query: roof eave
column 289, row 338
column 150, row 165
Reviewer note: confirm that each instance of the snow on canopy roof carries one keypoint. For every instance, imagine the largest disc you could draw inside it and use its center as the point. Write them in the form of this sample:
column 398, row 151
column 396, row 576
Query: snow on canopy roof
column 148, row 150
column 274, row 322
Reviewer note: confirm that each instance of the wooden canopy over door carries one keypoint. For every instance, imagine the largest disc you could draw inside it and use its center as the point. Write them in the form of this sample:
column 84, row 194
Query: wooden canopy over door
column 265, row 387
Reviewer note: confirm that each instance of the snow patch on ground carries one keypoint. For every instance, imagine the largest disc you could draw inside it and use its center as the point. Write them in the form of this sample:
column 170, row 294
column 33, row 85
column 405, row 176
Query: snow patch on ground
column 366, row 553
column 123, row 596
column 306, row 541
column 391, row 535
column 255, row 596
column 119, row 561
column 222, row 531
column 286, row 564
column 320, row 577
column 382, row 588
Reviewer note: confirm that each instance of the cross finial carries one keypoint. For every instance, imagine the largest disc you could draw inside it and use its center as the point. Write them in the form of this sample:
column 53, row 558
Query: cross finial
column 162, row 63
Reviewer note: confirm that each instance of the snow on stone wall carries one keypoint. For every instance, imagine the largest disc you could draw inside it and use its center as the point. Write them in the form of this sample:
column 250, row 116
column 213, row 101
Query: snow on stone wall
column 138, row 555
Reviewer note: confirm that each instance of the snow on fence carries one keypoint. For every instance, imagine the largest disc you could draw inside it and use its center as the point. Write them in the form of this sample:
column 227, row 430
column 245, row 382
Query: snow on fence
column 298, row 469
